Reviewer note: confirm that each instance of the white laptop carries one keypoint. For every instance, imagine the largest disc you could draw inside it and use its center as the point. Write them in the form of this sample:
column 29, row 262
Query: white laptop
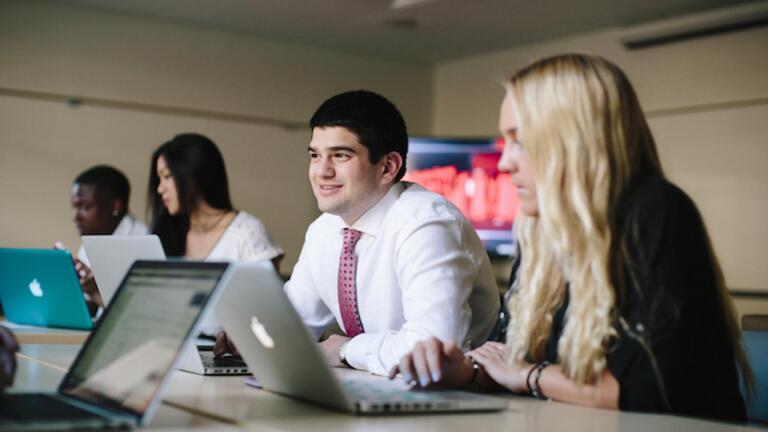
column 120, row 374
column 282, row 353
column 112, row 256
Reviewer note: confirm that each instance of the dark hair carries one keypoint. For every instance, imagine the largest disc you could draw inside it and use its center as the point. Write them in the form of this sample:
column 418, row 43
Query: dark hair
column 198, row 171
column 374, row 119
column 108, row 183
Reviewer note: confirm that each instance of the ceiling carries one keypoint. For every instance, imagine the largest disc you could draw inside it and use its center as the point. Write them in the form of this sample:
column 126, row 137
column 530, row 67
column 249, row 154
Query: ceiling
column 422, row 31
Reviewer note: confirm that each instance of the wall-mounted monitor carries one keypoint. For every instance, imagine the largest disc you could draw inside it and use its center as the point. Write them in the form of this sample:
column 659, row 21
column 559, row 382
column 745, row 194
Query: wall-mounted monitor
column 465, row 172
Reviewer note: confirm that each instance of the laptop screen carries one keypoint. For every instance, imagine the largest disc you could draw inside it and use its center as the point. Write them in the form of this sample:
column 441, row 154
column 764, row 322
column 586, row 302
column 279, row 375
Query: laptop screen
column 123, row 363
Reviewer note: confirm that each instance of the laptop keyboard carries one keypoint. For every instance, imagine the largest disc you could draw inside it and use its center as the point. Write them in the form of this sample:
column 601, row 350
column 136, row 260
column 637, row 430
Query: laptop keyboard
column 36, row 406
column 381, row 391
column 382, row 397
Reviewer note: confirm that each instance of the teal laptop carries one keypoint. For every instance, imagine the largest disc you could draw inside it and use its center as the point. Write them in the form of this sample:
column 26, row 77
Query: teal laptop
column 40, row 287
column 120, row 375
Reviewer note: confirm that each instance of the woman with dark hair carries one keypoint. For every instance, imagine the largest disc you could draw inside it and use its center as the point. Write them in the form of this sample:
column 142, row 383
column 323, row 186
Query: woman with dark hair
column 191, row 210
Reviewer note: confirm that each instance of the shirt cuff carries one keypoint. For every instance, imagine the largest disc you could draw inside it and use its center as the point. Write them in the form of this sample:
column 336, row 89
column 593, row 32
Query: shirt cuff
column 361, row 353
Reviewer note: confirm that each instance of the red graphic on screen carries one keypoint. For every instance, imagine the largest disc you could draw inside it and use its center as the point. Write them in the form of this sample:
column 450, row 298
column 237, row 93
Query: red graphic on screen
column 485, row 195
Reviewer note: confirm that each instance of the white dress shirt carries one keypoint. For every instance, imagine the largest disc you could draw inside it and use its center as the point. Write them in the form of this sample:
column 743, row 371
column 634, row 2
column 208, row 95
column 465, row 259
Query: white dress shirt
column 245, row 239
column 422, row 271
column 128, row 226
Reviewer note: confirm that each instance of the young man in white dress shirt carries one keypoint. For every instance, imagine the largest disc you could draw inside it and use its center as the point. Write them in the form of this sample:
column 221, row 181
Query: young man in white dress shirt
column 391, row 262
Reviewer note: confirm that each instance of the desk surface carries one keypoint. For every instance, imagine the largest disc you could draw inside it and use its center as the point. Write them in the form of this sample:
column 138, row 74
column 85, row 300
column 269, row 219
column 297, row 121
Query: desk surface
column 195, row 401
column 45, row 335
column 35, row 375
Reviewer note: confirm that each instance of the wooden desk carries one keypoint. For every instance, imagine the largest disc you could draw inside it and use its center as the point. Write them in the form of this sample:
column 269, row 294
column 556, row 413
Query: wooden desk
column 46, row 335
column 230, row 400
column 35, row 375
column 57, row 356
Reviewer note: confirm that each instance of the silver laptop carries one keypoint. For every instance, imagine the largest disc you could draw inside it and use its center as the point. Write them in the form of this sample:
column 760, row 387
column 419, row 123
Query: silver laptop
column 285, row 359
column 112, row 256
column 119, row 375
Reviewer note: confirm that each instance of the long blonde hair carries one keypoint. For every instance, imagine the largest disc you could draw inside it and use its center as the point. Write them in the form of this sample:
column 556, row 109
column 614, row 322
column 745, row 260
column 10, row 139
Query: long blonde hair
column 588, row 142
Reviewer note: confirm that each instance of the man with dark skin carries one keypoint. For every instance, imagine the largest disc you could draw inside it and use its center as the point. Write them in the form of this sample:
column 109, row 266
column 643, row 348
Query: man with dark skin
column 99, row 198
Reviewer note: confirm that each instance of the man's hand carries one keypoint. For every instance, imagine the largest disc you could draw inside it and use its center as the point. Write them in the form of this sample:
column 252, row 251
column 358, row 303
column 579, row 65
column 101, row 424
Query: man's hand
column 89, row 287
column 224, row 346
column 87, row 282
column 435, row 364
column 330, row 348
column 85, row 275
column 8, row 349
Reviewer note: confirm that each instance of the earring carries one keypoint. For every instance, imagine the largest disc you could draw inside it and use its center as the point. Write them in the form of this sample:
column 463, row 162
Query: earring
column 115, row 212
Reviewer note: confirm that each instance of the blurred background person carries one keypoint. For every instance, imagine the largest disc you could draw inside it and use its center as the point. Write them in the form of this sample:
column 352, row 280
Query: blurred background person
column 191, row 210
column 100, row 196
column 8, row 349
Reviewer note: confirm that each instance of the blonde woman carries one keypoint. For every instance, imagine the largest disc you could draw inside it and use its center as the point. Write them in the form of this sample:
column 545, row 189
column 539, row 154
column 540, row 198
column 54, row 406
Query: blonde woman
column 619, row 302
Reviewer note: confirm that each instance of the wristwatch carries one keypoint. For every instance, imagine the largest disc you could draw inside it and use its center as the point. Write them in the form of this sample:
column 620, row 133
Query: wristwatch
column 342, row 354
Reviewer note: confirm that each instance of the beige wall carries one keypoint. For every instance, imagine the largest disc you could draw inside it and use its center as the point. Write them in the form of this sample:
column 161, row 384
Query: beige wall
column 707, row 101
column 71, row 51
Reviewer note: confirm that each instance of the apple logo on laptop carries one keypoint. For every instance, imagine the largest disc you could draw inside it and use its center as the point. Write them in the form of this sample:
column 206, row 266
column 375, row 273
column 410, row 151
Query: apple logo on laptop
column 261, row 333
column 35, row 288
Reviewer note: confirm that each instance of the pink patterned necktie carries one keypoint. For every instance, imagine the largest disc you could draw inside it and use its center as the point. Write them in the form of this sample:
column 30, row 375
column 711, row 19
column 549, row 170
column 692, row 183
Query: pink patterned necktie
column 347, row 289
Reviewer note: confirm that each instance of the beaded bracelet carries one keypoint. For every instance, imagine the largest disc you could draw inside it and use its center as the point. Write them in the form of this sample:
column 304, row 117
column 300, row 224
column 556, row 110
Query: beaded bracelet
column 475, row 372
column 528, row 379
column 535, row 389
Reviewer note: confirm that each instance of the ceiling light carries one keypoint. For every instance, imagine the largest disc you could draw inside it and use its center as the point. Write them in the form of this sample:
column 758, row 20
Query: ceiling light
column 404, row 4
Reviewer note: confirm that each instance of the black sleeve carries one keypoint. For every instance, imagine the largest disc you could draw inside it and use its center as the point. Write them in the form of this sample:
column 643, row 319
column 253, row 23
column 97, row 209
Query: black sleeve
column 666, row 242
column 499, row 332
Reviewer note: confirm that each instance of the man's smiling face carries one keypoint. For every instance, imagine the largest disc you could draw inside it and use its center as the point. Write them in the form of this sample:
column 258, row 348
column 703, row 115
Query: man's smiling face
column 344, row 181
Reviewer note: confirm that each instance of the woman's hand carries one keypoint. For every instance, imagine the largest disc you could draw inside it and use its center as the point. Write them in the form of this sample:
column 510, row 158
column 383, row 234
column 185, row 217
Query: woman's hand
column 493, row 357
column 435, row 364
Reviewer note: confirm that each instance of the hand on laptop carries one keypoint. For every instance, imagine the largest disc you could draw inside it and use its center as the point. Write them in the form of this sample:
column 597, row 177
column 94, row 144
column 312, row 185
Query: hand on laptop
column 8, row 349
column 224, row 346
column 435, row 364
column 493, row 357
column 87, row 282
column 331, row 347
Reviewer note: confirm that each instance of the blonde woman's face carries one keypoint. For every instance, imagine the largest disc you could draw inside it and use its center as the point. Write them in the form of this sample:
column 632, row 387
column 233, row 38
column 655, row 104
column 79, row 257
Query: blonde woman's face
column 515, row 159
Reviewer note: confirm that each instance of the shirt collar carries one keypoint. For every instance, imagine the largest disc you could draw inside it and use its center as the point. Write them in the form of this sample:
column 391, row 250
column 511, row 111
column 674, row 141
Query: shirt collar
column 370, row 222
column 124, row 227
